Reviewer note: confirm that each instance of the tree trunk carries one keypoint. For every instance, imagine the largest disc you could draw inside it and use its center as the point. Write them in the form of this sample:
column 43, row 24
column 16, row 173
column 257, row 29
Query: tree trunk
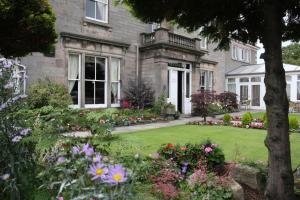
column 280, row 178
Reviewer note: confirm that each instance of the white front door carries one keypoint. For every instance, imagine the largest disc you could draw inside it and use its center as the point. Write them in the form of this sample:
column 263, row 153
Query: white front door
column 174, row 88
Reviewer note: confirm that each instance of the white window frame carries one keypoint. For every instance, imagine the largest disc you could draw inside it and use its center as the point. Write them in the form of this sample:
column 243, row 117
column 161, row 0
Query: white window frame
column 240, row 53
column 118, row 82
column 95, row 80
column 106, row 2
column 231, row 83
column 79, row 78
column 208, row 79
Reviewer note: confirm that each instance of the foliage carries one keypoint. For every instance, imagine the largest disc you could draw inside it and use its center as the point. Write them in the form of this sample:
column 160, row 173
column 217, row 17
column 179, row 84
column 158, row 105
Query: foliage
column 201, row 101
column 265, row 120
column 228, row 101
column 80, row 172
column 291, row 54
column 17, row 163
column 140, row 95
column 192, row 154
column 247, row 118
column 26, row 26
column 227, row 118
column 160, row 103
column 46, row 93
column 215, row 108
column 262, row 168
column 293, row 123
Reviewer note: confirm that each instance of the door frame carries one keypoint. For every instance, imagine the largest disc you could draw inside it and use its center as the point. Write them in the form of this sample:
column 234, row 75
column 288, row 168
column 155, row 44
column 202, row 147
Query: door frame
column 185, row 100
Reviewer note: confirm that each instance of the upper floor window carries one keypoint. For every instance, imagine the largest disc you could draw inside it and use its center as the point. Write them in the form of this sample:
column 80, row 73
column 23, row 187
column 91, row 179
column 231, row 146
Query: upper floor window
column 97, row 10
column 240, row 53
column 203, row 43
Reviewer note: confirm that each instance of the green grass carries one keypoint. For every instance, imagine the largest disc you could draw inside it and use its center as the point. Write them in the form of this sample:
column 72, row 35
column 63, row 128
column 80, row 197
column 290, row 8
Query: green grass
column 260, row 115
column 237, row 143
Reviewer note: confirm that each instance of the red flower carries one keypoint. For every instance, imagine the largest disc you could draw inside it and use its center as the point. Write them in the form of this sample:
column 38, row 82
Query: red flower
column 170, row 146
column 183, row 148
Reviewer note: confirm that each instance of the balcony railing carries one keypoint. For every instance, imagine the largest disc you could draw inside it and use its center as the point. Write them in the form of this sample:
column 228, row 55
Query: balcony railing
column 181, row 41
column 163, row 35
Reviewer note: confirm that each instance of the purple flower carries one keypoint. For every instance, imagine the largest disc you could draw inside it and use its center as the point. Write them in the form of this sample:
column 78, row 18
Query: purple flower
column 97, row 158
column 4, row 177
column 184, row 167
column 25, row 131
column 3, row 106
column 16, row 139
column 116, row 175
column 98, row 171
column 7, row 63
column 60, row 198
column 61, row 160
column 89, row 151
column 9, row 85
column 75, row 150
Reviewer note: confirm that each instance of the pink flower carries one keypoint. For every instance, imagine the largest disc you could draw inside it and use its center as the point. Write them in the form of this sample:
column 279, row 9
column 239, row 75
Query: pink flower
column 60, row 198
column 208, row 149
column 214, row 145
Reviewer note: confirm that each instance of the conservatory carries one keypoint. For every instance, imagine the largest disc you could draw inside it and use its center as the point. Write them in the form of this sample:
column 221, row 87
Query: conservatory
column 248, row 83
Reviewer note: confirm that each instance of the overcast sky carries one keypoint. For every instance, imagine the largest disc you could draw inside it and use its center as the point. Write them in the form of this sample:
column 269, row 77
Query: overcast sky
column 261, row 50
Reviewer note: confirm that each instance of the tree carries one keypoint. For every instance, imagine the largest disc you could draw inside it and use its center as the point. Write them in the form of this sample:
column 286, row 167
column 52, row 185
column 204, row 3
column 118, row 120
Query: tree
column 291, row 54
column 270, row 21
column 201, row 102
column 26, row 26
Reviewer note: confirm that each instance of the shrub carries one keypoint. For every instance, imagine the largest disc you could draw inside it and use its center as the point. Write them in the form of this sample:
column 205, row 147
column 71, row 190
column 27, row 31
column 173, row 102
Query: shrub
column 201, row 102
column 228, row 101
column 247, row 118
column 160, row 104
column 293, row 123
column 139, row 96
column 265, row 120
column 215, row 108
column 46, row 93
column 192, row 154
column 227, row 118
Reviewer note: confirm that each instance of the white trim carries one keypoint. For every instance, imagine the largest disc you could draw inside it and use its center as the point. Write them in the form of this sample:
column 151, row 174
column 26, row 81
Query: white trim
column 115, row 105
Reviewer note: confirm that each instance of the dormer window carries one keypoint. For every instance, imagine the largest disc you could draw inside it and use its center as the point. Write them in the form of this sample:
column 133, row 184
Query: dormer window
column 97, row 10
column 203, row 43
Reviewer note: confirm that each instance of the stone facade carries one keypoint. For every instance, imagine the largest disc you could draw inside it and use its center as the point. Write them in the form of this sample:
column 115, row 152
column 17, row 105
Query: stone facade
column 124, row 37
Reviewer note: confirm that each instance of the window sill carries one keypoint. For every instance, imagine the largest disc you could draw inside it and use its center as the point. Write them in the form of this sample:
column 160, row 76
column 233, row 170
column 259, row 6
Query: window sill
column 94, row 22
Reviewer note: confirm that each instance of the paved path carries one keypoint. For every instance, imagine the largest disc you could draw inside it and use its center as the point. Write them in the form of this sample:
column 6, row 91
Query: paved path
column 181, row 121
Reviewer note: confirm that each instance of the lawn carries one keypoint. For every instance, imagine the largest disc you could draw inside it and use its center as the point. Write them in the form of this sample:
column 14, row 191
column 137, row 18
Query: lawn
column 261, row 114
column 237, row 143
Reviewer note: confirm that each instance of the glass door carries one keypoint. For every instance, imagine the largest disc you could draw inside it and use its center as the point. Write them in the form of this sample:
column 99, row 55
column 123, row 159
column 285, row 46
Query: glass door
column 255, row 95
column 243, row 92
column 95, row 81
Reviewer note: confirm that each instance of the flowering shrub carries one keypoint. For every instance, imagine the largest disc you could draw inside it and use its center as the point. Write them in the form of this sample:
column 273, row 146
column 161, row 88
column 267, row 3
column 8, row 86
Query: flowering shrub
column 17, row 163
column 227, row 118
column 201, row 102
column 189, row 155
column 247, row 118
column 79, row 172
column 228, row 101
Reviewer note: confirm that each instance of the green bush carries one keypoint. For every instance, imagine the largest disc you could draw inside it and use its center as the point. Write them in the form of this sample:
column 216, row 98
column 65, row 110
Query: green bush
column 160, row 104
column 227, row 118
column 247, row 118
column 265, row 120
column 293, row 123
column 46, row 93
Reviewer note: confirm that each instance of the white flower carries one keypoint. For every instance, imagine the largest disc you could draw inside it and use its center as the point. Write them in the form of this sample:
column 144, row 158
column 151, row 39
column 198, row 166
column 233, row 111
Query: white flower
column 4, row 177
column 136, row 156
column 16, row 139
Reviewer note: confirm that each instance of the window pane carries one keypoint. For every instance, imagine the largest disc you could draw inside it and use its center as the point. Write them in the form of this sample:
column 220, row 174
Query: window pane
column 101, row 11
column 244, row 79
column 288, row 91
column 187, row 85
column 231, row 80
column 100, row 93
column 168, row 84
column 73, row 72
column 298, row 90
column 90, row 8
column 89, row 92
column 90, row 67
column 288, row 78
column 255, row 79
column 243, row 92
column 114, row 93
column 100, row 69
column 114, row 70
column 73, row 91
column 231, row 88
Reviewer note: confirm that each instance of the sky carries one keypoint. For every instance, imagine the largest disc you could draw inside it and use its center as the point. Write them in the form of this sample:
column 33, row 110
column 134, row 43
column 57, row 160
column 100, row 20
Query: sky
column 261, row 50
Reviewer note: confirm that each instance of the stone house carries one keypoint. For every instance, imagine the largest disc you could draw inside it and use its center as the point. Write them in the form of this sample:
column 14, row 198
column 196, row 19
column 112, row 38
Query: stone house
column 102, row 47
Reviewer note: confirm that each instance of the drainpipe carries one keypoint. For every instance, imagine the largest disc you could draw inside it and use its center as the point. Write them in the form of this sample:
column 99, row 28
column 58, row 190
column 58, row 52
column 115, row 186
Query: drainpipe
column 137, row 63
